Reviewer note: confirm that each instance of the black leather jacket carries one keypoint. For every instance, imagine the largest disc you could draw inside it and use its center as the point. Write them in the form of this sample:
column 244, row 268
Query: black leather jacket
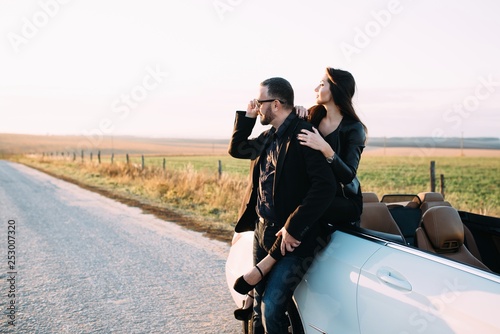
column 348, row 146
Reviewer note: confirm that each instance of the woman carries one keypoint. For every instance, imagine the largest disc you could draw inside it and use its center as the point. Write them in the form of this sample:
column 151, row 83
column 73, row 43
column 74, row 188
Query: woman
column 340, row 135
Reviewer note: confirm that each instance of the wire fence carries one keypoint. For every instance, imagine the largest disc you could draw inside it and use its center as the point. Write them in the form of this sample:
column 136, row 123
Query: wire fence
column 129, row 160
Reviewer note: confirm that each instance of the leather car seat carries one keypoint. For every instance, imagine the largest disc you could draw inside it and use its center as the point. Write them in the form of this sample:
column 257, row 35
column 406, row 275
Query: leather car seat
column 376, row 216
column 370, row 197
column 432, row 199
column 442, row 232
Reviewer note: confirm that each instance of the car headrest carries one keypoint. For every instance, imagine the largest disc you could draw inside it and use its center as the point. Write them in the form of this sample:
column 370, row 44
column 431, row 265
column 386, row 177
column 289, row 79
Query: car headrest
column 426, row 205
column 376, row 216
column 370, row 198
column 430, row 197
column 444, row 228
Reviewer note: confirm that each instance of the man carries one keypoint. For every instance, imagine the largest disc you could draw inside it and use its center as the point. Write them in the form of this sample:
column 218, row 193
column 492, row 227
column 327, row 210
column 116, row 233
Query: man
column 291, row 187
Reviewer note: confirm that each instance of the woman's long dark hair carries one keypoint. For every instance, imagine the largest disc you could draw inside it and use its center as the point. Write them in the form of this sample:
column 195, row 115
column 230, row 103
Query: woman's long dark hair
column 342, row 87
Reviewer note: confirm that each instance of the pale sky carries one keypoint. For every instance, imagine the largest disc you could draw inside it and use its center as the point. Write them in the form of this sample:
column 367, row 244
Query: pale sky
column 181, row 68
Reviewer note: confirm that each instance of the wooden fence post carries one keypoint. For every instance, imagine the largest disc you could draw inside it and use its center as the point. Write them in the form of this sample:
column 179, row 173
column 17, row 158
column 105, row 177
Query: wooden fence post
column 90, row 156
column 142, row 162
column 112, row 157
column 128, row 161
column 433, row 176
column 164, row 165
column 99, row 157
column 74, row 156
column 82, row 155
column 443, row 186
column 220, row 169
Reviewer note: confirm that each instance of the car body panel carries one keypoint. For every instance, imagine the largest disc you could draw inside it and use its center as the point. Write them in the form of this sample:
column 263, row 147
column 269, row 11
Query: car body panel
column 439, row 297
column 365, row 281
column 239, row 261
column 326, row 297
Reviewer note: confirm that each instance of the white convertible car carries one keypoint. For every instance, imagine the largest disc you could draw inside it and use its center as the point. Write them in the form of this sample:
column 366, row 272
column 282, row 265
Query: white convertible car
column 416, row 265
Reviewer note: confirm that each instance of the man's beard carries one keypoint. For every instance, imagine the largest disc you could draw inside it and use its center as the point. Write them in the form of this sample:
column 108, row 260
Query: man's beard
column 266, row 117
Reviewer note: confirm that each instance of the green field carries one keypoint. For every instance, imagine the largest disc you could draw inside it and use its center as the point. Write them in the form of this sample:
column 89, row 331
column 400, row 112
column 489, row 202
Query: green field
column 191, row 186
column 471, row 183
column 209, row 164
column 468, row 180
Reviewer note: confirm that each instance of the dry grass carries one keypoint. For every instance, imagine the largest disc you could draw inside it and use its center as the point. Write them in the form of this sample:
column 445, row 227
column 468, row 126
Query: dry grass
column 197, row 199
column 191, row 193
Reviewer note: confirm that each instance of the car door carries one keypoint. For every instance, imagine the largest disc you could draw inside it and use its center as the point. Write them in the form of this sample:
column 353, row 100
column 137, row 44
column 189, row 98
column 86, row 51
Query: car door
column 404, row 290
column 326, row 297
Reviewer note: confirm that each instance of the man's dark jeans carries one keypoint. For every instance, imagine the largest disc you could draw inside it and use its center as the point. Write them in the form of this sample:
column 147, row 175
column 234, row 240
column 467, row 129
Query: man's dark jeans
column 275, row 291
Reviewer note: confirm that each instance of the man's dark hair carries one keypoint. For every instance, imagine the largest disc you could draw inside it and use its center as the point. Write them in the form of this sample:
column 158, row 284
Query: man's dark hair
column 279, row 89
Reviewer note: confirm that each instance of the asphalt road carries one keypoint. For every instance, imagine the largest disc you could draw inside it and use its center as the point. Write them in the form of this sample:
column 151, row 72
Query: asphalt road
column 87, row 264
